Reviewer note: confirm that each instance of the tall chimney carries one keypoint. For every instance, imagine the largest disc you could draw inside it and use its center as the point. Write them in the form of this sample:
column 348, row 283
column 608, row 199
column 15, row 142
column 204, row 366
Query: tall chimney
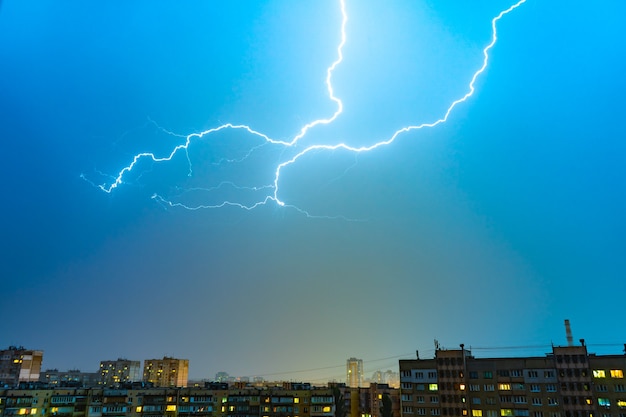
column 568, row 333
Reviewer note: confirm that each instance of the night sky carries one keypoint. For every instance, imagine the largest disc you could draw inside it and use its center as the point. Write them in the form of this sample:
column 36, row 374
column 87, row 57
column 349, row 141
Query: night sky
column 488, row 230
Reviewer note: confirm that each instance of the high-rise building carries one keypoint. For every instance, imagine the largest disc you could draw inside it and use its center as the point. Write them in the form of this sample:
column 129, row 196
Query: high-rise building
column 18, row 364
column 116, row 372
column 568, row 382
column 166, row 372
column 354, row 372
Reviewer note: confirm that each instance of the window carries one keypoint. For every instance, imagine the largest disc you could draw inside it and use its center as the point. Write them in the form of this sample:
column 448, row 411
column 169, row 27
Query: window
column 604, row 402
column 419, row 398
column 503, row 372
column 474, row 387
column 506, row 399
column 599, row 373
column 619, row 388
column 550, row 388
column 488, row 374
column 548, row 374
column 407, row 410
column 434, row 399
column 492, row 413
column 432, row 387
column 473, row 375
column 553, row 401
column 617, row 373
column 535, row 388
column 406, row 385
column 477, row 413
column 420, row 411
column 516, row 373
column 419, row 375
column 434, row 412
column 490, row 387
column 405, row 373
column 490, row 400
column 519, row 399
column 533, row 374
column 621, row 403
column 407, row 397
column 476, row 400
column 506, row 412
column 432, row 375
column 504, row 387
column 536, row 401
column 521, row 413
column 420, row 387
column 601, row 388
column 538, row 414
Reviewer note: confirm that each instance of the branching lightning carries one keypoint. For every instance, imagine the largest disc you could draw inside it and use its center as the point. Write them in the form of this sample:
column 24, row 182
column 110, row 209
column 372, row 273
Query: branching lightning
column 271, row 190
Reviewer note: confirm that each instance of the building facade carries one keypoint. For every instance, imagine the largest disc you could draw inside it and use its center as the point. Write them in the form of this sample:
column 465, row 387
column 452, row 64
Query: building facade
column 113, row 373
column 18, row 364
column 213, row 400
column 166, row 372
column 354, row 372
column 568, row 382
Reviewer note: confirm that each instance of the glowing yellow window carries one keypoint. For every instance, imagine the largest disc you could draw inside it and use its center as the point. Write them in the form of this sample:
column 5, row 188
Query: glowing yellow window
column 296, row 400
column 138, row 409
column 621, row 403
column 462, row 387
column 33, row 411
column 617, row 373
column 504, row 387
column 477, row 413
column 170, row 407
column 326, row 409
column 599, row 373
column 433, row 387
column 506, row 412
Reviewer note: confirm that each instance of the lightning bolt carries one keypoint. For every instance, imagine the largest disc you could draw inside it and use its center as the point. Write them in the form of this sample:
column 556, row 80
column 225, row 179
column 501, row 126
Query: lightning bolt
column 274, row 186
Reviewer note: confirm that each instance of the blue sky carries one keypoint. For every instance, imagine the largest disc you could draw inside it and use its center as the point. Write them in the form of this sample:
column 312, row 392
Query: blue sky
column 487, row 230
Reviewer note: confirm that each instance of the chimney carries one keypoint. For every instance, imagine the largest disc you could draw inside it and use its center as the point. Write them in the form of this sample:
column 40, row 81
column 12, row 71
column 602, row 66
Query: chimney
column 568, row 333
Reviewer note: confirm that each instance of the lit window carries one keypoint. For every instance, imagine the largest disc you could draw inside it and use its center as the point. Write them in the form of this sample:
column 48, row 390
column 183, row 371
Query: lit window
column 462, row 387
column 604, row 402
column 477, row 413
column 617, row 373
column 621, row 403
column 138, row 409
column 432, row 387
column 599, row 373
column 506, row 412
column 34, row 410
column 170, row 407
column 504, row 387
column 326, row 409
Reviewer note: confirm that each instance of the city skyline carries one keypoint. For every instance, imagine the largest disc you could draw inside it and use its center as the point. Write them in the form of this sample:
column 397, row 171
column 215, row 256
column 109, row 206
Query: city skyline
column 493, row 226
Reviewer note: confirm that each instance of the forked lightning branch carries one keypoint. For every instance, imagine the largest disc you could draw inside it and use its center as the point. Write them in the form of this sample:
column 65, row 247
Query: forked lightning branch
column 272, row 194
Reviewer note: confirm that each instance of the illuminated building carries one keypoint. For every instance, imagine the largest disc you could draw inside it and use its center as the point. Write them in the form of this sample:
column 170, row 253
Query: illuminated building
column 113, row 373
column 354, row 372
column 212, row 400
column 166, row 372
column 568, row 382
column 71, row 378
column 19, row 365
column 367, row 401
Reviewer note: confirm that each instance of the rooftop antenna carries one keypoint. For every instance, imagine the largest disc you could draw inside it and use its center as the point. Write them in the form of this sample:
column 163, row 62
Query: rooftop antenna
column 568, row 333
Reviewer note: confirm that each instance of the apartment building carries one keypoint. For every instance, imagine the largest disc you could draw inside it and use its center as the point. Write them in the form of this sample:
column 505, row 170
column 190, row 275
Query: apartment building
column 166, row 372
column 18, row 364
column 213, row 400
column 567, row 382
column 113, row 373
